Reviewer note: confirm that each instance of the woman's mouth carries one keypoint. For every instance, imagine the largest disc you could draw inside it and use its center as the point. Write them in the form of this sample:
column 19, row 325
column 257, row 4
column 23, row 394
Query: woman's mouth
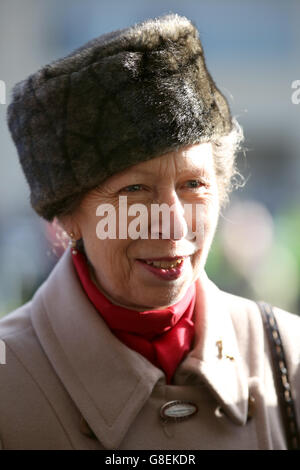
column 166, row 268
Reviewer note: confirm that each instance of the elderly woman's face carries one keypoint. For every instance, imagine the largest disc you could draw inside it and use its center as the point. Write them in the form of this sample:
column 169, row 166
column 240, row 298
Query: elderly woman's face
column 124, row 268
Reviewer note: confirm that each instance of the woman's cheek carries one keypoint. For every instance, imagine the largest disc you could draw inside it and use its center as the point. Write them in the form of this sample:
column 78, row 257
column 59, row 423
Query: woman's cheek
column 114, row 252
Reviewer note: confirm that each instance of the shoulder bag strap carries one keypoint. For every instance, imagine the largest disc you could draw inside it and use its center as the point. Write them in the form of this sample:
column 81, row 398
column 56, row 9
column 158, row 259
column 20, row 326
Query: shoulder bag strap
column 281, row 377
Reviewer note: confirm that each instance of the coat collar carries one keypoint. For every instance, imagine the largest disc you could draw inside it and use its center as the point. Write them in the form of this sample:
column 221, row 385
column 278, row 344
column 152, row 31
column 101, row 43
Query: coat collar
column 83, row 352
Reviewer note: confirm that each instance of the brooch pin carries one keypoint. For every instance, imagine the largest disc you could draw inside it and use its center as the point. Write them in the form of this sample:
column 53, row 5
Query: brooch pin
column 221, row 354
column 177, row 410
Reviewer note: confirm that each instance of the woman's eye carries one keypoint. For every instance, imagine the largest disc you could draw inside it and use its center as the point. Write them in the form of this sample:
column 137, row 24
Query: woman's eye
column 195, row 184
column 132, row 188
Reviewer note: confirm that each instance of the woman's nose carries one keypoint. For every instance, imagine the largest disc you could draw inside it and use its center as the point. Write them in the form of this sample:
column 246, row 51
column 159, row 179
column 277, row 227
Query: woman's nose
column 167, row 219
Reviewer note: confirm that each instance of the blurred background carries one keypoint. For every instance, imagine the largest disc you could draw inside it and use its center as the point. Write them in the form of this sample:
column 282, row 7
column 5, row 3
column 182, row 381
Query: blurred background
column 252, row 50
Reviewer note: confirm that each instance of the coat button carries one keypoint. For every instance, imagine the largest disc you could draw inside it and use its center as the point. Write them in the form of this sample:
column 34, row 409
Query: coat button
column 178, row 410
column 219, row 412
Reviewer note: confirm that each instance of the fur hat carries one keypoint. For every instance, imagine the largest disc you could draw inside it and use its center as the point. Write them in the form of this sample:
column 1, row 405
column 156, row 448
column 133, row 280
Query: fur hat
column 122, row 98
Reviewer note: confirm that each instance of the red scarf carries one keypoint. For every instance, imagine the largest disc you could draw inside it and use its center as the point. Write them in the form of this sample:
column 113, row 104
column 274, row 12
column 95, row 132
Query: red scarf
column 162, row 336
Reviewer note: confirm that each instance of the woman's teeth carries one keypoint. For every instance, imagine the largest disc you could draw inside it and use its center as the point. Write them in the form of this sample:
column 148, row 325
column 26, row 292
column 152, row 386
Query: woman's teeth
column 165, row 264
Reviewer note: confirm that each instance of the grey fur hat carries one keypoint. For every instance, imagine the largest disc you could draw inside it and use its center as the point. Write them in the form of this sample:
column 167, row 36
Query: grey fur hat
column 122, row 98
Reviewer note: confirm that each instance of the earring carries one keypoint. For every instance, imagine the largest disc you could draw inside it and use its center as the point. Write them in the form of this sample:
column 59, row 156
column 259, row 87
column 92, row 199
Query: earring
column 72, row 243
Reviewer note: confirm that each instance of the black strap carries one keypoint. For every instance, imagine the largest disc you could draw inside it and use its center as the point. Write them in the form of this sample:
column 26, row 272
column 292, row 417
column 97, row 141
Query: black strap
column 281, row 377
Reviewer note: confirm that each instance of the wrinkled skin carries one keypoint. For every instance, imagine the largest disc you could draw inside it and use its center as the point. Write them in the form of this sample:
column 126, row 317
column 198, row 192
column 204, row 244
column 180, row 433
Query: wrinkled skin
column 183, row 177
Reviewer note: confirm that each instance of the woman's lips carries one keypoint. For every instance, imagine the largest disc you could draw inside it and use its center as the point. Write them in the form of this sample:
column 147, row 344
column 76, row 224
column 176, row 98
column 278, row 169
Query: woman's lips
column 168, row 274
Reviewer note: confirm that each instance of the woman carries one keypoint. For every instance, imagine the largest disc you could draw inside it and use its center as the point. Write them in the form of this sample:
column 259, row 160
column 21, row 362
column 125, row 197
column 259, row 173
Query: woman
column 128, row 344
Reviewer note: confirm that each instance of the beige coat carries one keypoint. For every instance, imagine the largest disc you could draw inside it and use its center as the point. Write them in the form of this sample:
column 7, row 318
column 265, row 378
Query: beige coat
column 63, row 363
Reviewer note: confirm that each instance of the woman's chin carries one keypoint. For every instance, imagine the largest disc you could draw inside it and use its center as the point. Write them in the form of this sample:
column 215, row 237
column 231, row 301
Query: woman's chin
column 165, row 290
column 151, row 298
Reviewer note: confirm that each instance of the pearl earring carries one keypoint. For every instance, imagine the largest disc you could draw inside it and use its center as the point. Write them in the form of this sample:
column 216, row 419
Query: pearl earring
column 72, row 243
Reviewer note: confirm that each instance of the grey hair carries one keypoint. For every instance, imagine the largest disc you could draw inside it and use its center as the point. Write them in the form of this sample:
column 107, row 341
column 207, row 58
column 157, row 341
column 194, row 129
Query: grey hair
column 225, row 151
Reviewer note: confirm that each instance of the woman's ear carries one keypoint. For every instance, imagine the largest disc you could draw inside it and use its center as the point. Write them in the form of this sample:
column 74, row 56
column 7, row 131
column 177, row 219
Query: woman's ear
column 69, row 225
